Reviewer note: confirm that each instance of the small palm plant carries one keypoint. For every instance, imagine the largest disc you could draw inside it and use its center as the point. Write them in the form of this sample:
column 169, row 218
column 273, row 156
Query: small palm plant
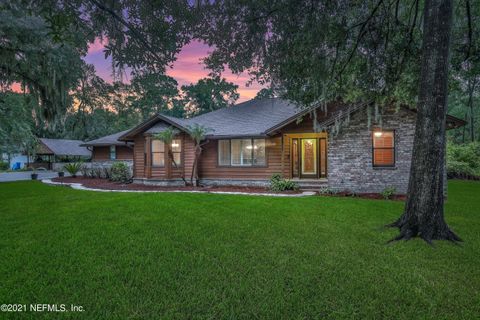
column 167, row 137
column 197, row 133
column 73, row 168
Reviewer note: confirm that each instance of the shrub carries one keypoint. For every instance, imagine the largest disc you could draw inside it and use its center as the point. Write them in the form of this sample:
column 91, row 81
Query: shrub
column 120, row 172
column 106, row 173
column 4, row 166
column 98, row 173
column 388, row 192
column 73, row 168
column 85, row 172
column 327, row 191
column 278, row 184
column 463, row 161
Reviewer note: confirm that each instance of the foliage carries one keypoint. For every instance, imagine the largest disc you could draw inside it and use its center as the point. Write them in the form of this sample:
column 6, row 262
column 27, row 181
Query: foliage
column 278, row 184
column 167, row 135
column 120, row 172
column 4, row 166
column 29, row 55
column 265, row 93
column 388, row 192
column 463, row 161
column 198, row 133
column 73, row 168
column 209, row 94
column 154, row 93
column 16, row 123
column 327, row 191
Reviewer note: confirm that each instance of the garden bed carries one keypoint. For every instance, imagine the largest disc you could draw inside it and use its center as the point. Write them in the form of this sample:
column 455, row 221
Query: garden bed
column 374, row 196
column 106, row 184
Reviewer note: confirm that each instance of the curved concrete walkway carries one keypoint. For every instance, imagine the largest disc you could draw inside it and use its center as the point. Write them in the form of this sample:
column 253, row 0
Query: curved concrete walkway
column 79, row 186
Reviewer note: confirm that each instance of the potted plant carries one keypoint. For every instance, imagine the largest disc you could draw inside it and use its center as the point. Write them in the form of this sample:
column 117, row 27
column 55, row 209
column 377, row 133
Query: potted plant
column 34, row 174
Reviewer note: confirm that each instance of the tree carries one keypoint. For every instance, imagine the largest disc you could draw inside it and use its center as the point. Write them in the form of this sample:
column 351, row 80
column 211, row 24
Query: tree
column 265, row 93
column 208, row 94
column 29, row 56
column 42, row 43
column 197, row 133
column 423, row 215
column 154, row 93
column 16, row 124
column 167, row 137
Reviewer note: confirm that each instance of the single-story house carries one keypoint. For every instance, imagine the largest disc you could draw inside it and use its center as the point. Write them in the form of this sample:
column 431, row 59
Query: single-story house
column 109, row 149
column 50, row 151
column 251, row 141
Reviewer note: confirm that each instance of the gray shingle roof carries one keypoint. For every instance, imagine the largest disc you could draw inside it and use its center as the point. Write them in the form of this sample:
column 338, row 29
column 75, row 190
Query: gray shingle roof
column 158, row 127
column 107, row 140
column 64, row 147
column 250, row 118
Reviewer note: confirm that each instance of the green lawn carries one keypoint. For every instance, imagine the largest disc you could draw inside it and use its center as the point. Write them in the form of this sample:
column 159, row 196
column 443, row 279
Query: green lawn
column 178, row 256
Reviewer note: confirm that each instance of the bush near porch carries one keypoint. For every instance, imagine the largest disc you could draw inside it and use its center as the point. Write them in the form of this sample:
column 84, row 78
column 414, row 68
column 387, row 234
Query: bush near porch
column 178, row 256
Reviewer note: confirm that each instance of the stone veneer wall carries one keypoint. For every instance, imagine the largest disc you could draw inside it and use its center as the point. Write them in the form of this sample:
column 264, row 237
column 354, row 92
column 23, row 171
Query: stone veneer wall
column 350, row 153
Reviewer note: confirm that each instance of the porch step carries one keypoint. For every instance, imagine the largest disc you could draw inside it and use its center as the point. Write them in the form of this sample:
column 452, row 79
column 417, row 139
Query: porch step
column 311, row 184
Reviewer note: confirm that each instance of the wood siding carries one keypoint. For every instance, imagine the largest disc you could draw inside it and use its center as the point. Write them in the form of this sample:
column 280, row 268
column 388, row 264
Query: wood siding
column 209, row 168
column 139, row 157
column 142, row 160
column 103, row 153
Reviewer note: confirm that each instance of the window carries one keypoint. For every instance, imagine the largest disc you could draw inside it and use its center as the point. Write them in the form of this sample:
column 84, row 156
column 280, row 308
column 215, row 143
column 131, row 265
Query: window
column 113, row 153
column 177, row 151
column 224, row 152
column 158, row 153
column 241, row 152
column 383, row 148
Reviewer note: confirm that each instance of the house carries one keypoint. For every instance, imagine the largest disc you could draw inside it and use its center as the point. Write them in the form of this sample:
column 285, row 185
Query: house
column 52, row 151
column 253, row 140
column 108, row 149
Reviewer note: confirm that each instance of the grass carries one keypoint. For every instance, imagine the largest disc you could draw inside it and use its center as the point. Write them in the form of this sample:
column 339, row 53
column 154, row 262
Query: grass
column 204, row 256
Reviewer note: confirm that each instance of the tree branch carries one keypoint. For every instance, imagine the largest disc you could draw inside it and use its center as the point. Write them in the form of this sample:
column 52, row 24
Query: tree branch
column 137, row 35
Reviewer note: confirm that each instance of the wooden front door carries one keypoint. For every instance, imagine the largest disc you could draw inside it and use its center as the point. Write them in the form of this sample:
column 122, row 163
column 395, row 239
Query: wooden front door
column 309, row 158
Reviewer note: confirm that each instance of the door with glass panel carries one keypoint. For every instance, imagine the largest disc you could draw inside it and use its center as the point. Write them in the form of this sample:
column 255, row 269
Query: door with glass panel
column 309, row 157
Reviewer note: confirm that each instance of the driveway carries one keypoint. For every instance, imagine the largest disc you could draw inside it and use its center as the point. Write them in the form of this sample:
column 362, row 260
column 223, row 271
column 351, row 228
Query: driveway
column 25, row 175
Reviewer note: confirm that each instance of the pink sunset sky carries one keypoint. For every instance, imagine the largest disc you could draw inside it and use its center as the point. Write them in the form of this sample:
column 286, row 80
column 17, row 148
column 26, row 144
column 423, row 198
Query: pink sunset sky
column 187, row 69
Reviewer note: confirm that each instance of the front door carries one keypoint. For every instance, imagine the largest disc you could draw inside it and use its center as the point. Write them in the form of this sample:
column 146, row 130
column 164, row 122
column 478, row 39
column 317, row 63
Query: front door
column 309, row 157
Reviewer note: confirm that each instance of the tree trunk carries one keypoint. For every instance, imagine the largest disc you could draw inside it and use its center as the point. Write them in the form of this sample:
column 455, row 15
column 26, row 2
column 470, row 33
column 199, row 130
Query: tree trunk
column 198, row 151
column 472, row 119
column 423, row 215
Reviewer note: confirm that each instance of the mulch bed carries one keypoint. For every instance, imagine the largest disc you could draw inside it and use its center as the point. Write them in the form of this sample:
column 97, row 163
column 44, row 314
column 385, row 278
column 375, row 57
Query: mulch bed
column 109, row 185
column 376, row 196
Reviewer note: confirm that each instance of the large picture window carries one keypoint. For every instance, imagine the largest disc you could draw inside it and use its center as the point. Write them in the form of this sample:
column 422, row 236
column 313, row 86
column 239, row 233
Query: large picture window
column 241, row 152
column 383, row 148
column 158, row 153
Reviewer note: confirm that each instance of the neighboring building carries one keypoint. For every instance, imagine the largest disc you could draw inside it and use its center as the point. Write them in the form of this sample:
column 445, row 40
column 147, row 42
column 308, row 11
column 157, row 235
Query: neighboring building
column 109, row 149
column 51, row 151
column 16, row 161
column 253, row 140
